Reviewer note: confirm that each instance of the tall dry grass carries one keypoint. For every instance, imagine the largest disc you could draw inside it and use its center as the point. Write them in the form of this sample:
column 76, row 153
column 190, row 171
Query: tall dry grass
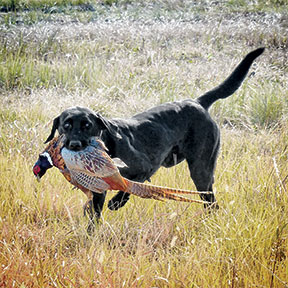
column 121, row 60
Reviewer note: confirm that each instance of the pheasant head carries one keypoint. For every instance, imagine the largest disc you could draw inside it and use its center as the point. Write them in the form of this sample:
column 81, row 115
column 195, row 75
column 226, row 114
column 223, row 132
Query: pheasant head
column 50, row 157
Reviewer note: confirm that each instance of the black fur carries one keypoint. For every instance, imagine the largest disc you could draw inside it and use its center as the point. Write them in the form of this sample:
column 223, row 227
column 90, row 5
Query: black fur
column 162, row 136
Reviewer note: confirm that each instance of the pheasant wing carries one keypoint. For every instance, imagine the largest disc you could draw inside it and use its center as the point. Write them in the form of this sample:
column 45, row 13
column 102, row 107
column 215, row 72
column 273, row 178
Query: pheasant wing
column 92, row 183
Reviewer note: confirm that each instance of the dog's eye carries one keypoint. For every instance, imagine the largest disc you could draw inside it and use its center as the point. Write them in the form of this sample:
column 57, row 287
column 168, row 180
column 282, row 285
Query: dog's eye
column 66, row 126
column 87, row 125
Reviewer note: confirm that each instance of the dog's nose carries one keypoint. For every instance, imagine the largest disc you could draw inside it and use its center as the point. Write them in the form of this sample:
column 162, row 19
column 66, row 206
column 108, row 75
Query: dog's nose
column 75, row 145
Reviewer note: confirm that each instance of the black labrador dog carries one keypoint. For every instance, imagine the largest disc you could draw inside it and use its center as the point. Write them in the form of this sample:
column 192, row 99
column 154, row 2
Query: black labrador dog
column 162, row 136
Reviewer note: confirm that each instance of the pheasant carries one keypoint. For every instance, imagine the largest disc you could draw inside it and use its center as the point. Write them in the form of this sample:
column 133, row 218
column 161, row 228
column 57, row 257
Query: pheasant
column 92, row 169
column 51, row 156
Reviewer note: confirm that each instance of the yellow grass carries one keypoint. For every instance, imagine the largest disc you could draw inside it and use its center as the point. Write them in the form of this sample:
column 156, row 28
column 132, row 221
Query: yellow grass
column 148, row 243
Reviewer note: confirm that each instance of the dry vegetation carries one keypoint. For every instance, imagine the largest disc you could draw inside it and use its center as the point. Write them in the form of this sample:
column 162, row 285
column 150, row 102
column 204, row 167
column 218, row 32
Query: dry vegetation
column 121, row 57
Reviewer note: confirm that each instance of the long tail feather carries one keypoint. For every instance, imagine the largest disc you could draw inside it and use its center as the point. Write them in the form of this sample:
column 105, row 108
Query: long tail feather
column 168, row 190
column 160, row 193
column 181, row 199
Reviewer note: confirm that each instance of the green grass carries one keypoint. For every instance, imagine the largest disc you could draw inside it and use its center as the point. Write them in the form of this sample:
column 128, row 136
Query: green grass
column 121, row 58
column 62, row 5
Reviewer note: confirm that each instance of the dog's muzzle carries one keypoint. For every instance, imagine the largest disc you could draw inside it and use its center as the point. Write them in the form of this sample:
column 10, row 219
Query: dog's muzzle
column 75, row 145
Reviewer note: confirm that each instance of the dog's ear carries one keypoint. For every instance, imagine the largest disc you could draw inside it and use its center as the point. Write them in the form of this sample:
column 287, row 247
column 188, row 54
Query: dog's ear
column 105, row 124
column 55, row 126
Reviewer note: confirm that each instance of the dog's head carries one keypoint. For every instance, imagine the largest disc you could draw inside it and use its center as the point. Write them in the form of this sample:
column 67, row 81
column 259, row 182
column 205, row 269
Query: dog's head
column 79, row 124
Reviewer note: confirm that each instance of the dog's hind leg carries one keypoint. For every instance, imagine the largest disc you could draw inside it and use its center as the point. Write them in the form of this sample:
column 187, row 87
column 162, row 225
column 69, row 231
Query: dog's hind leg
column 203, row 179
column 202, row 163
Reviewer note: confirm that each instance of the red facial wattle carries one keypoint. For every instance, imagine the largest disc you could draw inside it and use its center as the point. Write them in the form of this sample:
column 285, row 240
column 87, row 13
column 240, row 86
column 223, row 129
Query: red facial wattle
column 36, row 169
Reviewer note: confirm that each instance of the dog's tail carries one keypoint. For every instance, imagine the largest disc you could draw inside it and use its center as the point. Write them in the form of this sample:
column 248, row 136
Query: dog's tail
column 232, row 83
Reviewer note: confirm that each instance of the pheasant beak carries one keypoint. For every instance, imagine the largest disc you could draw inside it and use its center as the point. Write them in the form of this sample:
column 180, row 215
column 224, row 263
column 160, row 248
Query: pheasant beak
column 38, row 178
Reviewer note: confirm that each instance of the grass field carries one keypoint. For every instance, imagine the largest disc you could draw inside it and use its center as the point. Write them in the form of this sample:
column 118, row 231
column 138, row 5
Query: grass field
column 119, row 58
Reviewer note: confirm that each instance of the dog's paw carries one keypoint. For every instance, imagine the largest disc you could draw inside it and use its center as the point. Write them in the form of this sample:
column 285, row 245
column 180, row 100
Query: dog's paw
column 118, row 201
column 212, row 206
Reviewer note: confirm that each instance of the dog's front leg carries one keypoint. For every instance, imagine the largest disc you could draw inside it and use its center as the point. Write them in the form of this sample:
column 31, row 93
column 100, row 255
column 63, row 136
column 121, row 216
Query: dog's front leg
column 94, row 213
column 118, row 201
column 121, row 198
column 98, row 202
